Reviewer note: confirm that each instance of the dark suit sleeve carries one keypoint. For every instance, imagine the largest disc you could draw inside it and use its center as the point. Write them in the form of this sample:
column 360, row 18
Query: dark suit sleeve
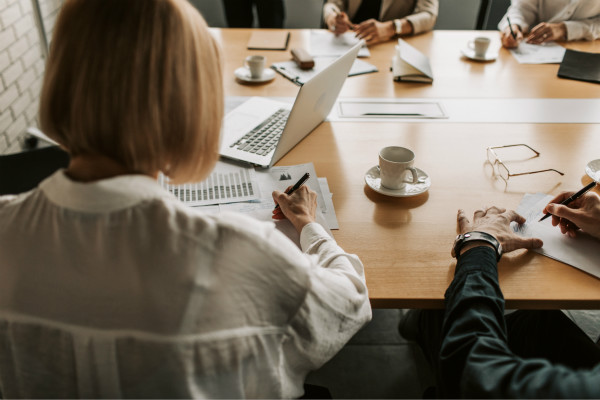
column 475, row 360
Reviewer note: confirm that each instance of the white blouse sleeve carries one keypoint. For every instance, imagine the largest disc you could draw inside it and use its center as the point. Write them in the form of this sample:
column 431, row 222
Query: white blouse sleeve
column 588, row 29
column 523, row 13
column 335, row 308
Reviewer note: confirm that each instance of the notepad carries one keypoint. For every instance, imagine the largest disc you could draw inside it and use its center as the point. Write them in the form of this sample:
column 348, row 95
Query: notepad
column 268, row 40
column 580, row 66
column 410, row 65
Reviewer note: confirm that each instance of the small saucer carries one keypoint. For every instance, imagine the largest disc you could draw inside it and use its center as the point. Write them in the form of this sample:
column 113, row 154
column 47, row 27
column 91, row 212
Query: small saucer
column 470, row 53
column 243, row 74
column 373, row 179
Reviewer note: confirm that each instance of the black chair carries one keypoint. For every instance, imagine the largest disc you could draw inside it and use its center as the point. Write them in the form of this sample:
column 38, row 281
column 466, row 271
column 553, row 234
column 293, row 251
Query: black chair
column 23, row 171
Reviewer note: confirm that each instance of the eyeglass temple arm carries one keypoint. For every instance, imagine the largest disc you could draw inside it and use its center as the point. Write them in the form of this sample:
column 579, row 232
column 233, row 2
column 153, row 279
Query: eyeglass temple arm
column 536, row 172
column 537, row 153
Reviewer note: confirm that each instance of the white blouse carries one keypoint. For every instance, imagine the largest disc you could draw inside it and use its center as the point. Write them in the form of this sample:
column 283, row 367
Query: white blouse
column 116, row 289
column 581, row 17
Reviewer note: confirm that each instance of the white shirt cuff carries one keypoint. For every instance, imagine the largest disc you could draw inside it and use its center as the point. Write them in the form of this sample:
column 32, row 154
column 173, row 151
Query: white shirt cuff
column 311, row 233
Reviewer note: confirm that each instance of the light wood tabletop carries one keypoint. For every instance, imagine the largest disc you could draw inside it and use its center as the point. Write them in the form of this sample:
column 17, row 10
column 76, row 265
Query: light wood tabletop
column 405, row 243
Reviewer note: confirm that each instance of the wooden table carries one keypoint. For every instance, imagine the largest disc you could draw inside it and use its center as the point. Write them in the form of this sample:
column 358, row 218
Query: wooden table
column 405, row 243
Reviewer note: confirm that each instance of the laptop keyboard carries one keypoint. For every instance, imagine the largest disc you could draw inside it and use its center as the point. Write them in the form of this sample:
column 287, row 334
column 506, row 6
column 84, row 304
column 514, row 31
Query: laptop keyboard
column 262, row 139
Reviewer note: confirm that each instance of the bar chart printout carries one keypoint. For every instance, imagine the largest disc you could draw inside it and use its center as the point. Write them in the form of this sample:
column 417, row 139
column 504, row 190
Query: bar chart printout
column 226, row 184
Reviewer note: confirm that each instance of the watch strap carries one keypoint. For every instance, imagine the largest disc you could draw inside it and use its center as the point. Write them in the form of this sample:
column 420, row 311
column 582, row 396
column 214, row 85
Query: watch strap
column 476, row 236
column 398, row 26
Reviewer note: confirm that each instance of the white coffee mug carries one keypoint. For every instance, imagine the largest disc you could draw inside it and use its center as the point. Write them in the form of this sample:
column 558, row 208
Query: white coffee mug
column 394, row 164
column 479, row 45
column 256, row 65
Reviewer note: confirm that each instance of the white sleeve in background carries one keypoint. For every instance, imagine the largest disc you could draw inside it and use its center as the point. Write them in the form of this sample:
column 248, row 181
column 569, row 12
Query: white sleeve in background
column 424, row 16
column 588, row 29
column 523, row 13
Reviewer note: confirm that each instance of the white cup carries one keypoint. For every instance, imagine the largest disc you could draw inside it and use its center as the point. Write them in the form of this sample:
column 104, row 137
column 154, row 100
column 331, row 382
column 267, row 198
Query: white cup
column 479, row 45
column 394, row 164
column 256, row 65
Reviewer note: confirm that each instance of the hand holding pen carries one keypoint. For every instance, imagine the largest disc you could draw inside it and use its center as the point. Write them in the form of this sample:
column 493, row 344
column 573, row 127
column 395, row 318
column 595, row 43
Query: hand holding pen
column 339, row 23
column 299, row 208
column 583, row 213
column 512, row 36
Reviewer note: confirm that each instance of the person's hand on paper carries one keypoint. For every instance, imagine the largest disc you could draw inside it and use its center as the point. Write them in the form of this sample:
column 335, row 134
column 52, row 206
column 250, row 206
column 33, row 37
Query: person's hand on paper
column 300, row 207
column 581, row 214
column 547, row 32
column 339, row 23
column 373, row 31
column 496, row 222
column 507, row 38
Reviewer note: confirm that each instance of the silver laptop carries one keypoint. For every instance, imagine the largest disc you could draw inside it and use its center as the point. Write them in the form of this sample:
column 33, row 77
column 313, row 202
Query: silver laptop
column 261, row 131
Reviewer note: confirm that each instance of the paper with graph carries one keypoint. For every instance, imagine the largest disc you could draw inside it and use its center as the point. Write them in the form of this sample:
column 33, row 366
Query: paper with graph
column 582, row 251
column 228, row 183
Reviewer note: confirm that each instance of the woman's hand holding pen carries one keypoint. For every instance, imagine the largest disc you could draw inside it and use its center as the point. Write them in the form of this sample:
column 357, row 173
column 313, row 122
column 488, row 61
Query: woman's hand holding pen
column 339, row 23
column 300, row 207
column 508, row 40
column 582, row 213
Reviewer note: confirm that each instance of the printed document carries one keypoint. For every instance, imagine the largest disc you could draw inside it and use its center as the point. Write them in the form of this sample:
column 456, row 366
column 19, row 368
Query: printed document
column 582, row 251
column 279, row 178
column 228, row 183
column 548, row 53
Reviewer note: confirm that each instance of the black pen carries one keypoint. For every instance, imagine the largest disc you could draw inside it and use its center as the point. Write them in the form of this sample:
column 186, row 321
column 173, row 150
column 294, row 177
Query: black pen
column 510, row 27
column 296, row 186
column 573, row 197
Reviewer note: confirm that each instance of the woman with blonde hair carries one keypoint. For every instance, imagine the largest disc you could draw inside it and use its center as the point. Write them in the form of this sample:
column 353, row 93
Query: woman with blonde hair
column 110, row 287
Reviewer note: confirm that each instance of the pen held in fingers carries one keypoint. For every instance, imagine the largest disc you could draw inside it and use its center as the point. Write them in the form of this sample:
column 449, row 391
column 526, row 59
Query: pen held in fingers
column 572, row 198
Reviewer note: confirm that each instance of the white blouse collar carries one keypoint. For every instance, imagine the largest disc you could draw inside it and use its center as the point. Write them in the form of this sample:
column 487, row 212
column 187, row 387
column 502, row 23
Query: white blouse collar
column 104, row 195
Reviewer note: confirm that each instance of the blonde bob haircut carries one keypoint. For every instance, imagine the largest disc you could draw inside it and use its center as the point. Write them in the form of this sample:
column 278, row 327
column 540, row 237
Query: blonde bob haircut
column 137, row 81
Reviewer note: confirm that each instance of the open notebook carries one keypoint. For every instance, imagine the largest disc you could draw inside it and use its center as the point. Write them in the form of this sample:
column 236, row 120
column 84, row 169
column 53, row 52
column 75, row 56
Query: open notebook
column 410, row 65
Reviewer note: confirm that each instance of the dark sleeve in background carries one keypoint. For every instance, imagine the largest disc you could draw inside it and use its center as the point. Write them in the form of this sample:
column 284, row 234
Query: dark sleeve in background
column 475, row 359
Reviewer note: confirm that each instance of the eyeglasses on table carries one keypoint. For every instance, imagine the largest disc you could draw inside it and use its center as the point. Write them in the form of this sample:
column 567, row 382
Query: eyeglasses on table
column 500, row 168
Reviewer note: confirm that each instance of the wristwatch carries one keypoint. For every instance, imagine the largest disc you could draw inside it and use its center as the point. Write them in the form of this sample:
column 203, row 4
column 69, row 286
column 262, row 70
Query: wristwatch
column 398, row 26
column 464, row 238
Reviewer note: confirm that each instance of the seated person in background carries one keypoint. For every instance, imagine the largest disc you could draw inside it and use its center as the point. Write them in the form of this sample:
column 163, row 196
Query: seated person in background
column 240, row 13
column 552, row 20
column 480, row 353
column 380, row 20
column 110, row 286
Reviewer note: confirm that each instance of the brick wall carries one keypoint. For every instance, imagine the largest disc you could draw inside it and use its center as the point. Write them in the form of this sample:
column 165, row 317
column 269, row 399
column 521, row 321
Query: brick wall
column 21, row 67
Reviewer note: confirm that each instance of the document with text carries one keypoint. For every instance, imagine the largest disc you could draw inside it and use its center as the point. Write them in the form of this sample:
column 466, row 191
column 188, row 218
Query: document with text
column 547, row 53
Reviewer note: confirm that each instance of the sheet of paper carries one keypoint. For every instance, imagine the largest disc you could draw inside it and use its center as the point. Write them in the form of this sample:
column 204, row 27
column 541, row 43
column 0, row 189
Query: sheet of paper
column 302, row 76
column 263, row 212
column 548, row 53
column 227, row 183
column 329, row 213
column 280, row 177
column 582, row 252
column 325, row 43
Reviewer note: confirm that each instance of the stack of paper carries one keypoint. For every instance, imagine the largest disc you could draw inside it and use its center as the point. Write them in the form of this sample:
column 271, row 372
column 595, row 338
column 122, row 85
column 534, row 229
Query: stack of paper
column 232, row 187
